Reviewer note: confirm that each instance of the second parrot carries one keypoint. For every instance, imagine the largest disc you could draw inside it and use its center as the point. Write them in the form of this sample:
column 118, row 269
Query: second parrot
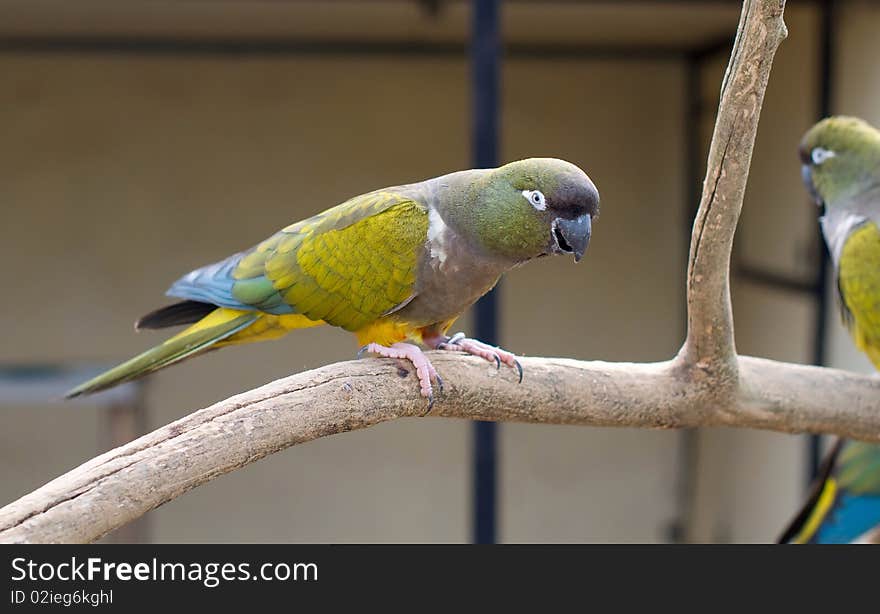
column 840, row 162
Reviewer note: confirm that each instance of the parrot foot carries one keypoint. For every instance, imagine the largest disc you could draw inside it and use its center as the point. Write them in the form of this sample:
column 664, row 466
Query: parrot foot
column 459, row 343
column 425, row 371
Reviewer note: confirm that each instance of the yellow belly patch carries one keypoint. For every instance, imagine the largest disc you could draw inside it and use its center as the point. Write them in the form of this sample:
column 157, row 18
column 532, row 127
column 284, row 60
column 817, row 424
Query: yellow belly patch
column 270, row 327
column 385, row 332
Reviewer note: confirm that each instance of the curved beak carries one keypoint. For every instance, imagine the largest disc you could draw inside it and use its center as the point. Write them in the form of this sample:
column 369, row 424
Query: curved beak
column 807, row 178
column 573, row 236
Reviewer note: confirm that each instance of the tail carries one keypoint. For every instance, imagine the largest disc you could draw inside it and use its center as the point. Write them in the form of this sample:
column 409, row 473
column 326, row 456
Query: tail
column 218, row 325
column 845, row 502
column 823, row 495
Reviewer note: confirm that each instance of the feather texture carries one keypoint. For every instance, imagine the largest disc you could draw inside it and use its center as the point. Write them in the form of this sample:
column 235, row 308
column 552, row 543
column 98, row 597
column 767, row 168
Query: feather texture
column 184, row 312
column 845, row 500
column 220, row 324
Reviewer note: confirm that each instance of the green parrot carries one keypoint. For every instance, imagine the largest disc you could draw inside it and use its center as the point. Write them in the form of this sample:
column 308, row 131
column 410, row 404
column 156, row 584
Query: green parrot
column 394, row 265
column 840, row 159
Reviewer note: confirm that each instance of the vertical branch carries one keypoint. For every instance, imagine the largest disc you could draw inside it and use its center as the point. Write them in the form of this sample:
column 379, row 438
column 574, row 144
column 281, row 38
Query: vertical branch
column 710, row 343
column 707, row 386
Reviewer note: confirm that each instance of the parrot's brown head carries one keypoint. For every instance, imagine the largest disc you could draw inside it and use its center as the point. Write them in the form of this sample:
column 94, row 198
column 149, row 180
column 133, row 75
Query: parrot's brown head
column 534, row 207
column 840, row 157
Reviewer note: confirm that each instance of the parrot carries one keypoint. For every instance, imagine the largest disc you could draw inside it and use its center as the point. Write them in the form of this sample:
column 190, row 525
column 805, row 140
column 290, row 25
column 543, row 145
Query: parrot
column 844, row 502
column 396, row 267
column 840, row 167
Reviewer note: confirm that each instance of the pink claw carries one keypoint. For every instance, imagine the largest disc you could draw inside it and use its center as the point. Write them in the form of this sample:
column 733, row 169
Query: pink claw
column 460, row 343
column 425, row 371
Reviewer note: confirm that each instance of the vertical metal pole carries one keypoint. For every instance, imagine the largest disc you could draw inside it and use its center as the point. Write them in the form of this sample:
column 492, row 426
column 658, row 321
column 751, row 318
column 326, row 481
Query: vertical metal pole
column 827, row 17
column 485, row 53
column 689, row 439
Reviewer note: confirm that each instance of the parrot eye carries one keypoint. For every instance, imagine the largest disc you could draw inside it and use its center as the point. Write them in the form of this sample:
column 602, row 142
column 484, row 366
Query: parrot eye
column 819, row 155
column 536, row 198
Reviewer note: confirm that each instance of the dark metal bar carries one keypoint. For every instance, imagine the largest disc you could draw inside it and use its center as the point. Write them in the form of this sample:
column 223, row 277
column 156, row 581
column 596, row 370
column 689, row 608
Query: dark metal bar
column 138, row 45
column 486, row 75
column 122, row 45
column 827, row 23
column 694, row 159
column 688, row 440
column 440, row 3
column 586, row 51
column 777, row 281
column 719, row 46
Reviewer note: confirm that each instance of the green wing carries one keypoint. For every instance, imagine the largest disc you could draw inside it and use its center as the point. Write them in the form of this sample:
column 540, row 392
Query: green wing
column 858, row 279
column 346, row 266
column 858, row 469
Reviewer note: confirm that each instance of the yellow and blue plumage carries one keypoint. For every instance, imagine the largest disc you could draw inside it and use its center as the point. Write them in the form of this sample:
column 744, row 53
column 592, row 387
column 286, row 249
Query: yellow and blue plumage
column 391, row 265
column 841, row 169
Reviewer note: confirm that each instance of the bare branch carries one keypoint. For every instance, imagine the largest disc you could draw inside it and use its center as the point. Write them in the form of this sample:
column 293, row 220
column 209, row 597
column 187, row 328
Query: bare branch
column 119, row 486
column 706, row 384
column 710, row 340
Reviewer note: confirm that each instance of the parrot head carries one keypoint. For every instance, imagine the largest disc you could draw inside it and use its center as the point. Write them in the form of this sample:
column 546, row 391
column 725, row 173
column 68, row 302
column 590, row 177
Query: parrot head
column 534, row 207
column 840, row 157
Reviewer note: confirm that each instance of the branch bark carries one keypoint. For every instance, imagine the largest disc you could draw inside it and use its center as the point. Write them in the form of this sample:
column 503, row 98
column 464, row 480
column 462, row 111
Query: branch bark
column 710, row 341
column 706, row 384
column 124, row 483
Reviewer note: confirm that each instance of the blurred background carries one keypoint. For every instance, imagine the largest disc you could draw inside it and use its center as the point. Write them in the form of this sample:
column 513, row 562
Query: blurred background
column 142, row 139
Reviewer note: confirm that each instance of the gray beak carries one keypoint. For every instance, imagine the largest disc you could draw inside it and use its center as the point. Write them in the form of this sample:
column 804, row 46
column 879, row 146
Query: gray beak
column 807, row 177
column 573, row 236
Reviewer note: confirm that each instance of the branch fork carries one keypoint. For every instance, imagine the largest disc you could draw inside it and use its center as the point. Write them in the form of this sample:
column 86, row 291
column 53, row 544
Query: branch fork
column 705, row 384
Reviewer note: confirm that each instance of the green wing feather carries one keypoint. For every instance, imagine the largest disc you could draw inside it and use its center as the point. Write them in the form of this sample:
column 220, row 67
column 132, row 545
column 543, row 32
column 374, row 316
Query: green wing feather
column 346, row 266
column 219, row 325
column 858, row 468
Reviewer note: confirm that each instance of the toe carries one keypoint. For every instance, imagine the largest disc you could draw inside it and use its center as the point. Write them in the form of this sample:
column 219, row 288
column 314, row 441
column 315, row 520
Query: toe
column 450, row 347
column 454, row 339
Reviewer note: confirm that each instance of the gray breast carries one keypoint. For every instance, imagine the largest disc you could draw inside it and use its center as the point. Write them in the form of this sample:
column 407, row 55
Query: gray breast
column 452, row 275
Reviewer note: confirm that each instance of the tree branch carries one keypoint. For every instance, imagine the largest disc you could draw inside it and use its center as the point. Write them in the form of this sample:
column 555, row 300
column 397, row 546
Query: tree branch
column 710, row 340
column 706, row 384
column 117, row 487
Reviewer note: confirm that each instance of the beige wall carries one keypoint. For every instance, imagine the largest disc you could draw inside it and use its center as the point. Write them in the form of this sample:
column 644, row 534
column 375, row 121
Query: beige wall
column 685, row 23
column 124, row 173
column 121, row 173
column 562, row 483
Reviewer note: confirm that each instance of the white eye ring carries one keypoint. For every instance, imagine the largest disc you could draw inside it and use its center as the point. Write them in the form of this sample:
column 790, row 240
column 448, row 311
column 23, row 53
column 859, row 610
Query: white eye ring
column 819, row 155
column 536, row 198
